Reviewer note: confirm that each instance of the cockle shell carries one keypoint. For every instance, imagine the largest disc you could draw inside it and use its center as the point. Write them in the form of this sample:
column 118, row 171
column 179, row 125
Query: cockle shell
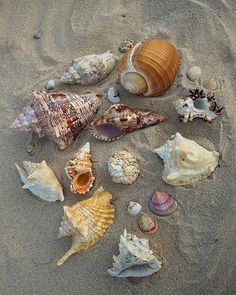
column 90, row 69
column 162, row 203
column 147, row 224
column 87, row 221
column 120, row 119
column 198, row 105
column 134, row 208
column 60, row 116
column 185, row 161
column 41, row 181
column 149, row 68
column 79, row 170
column 135, row 258
column 123, row 167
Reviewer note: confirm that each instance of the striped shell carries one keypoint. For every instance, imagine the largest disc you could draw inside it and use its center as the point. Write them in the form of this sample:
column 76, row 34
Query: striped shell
column 149, row 68
column 87, row 221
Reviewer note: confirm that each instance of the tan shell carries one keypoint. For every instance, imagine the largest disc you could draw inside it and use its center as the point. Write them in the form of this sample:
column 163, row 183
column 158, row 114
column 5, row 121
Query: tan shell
column 149, row 68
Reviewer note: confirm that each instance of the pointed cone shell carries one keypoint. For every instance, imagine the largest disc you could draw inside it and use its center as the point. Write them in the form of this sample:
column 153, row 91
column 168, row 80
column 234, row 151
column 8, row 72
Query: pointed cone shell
column 79, row 170
column 120, row 119
column 147, row 224
column 87, row 221
column 185, row 161
column 162, row 203
column 149, row 68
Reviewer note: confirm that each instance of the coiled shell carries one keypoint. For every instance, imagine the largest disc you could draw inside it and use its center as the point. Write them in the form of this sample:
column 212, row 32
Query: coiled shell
column 149, row 68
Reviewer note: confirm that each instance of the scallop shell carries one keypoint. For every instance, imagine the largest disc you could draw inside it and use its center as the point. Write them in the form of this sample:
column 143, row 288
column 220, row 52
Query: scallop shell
column 147, row 224
column 41, row 181
column 149, row 68
column 79, row 170
column 87, row 221
column 134, row 208
column 120, row 119
column 185, row 161
column 123, row 167
column 60, row 116
column 198, row 105
column 135, row 258
column 162, row 203
column 90, row 69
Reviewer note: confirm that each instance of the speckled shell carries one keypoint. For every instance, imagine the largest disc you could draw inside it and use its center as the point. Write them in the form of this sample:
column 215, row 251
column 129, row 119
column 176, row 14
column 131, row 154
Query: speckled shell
column 79, row 170
column 90, row 69
column 149, row 68
column 120, row 119
column 123, row 167
column 41, row 181
column 147, row 224
column 60, row 116
column 198, row 105
column 185, row 161
column 135, row 258
column 87, row 221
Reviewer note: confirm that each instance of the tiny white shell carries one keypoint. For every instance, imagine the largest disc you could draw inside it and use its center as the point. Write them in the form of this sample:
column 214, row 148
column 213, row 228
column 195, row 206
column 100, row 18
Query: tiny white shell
column 50, row 85
column 134, row 208
column 113, row 95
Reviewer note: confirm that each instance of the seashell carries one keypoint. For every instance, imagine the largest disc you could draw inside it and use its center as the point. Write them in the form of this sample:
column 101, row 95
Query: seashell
column 149, row 68
column 134, row 208
column 79, row 170
column 123, row 167
column 135, row 258
column 120, row 119
column 113, row 95
column 210, row 84
column 198, row 105
column 126, row 45
column 185, row 161
column 87, row 221
column 162, row 203
column 50, row 85
column 194, row 73
column 41, row 181
column 60, row 116
column 147, row 224
column 90, row 69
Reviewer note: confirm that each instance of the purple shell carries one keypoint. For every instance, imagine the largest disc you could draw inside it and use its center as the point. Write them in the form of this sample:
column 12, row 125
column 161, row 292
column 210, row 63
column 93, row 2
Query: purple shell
column 162, row 203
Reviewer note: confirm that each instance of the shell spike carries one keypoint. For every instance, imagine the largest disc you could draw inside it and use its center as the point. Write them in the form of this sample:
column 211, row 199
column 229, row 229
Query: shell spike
column 65, row 257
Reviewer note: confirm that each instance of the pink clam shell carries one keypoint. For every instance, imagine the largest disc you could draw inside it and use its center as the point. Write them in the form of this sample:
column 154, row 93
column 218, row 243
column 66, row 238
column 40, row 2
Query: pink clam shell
column 162, row 203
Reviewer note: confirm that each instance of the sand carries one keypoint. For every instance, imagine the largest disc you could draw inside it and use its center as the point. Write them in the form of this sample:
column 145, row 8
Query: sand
column 197, row 242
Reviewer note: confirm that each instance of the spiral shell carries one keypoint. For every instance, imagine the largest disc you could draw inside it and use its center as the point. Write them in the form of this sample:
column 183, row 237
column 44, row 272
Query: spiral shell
column 149, row 68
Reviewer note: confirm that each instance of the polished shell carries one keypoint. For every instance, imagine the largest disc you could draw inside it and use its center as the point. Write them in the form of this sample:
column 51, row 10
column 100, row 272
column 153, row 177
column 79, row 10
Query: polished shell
column 162, row 203
column 147, row 224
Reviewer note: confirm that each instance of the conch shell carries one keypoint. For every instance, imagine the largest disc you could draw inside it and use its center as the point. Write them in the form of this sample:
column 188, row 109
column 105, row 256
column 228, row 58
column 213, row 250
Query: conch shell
column 120, row 119
column 79, row 170
column 185, row 161
column 149, row 68
column 41, row 181
column 90, row 69
column 198, row 105
column 135, row 258
column 60, row 116
column 87, row 221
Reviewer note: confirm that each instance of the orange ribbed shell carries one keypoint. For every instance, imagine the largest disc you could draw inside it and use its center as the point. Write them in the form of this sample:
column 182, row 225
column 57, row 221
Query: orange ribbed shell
column 149, row 68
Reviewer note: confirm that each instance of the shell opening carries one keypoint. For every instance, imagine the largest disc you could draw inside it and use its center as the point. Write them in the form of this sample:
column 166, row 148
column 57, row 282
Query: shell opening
column 201, row 104
column 134, row 83
column 83, row 179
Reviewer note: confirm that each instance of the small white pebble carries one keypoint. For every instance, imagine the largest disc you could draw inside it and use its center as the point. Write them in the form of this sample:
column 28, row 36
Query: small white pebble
column 50, row 85
column 194, row 73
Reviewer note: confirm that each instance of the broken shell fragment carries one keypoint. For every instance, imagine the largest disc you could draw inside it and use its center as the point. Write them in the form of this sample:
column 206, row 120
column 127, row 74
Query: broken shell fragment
column 162, row 203
column 135, row 258
column 79, row 170
column 147, row 224
column 134, row 208
column 126, row 45
column 185, row 161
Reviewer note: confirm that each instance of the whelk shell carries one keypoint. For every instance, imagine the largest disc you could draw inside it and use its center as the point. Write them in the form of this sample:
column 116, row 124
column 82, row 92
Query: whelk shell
column 162, row 203
column 147, row 224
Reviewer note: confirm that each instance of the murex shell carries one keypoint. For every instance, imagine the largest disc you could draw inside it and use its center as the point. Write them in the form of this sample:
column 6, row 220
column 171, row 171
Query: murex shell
column 90, row 69
column 79, row 170
column 87, row 221
column 120, row 119
column 162, row 203
column 185, row 161
column 149, row 68
column 41, row 181
column 60, row 116
column 135, row 258
column 123, row 167
column 198, row 105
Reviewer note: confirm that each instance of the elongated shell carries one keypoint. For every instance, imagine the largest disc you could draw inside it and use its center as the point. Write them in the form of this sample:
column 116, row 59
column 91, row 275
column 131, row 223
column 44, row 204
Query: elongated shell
column 41, row 181
column 185, row 161
column 79, row 170
column 149, row 68
column 87, row 221
column 60, row 116
column 90, row 69
column 120, row 119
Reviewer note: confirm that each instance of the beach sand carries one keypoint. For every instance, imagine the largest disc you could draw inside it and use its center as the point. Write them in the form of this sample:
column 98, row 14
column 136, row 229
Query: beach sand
column 197, row 243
